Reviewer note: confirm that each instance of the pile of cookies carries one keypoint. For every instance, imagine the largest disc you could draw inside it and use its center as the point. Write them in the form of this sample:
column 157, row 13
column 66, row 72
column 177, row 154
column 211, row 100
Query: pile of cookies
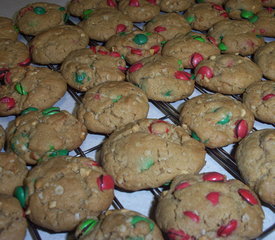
column 118, row 56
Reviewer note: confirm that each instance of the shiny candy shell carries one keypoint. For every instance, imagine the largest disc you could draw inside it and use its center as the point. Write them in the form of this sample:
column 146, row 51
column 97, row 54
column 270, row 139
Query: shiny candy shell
column 182, row 185
column 205, row 72
column 193, row 216
column 50, row 111
column 25, row 62
column 21, row 194
column 182, row 75
column 136, row 51
column 140, row 39
column 134, row 3
column 227, row 229
column 268, row 96
column 241, row 129
column 155, row 49
column 120, row 28
column 10, row 102
column 111, row 3
column 196, row 58
column 174, row 234
column 160, row 29
column 248, row 196
column 136, row 219
column 135, row 67
column 87, row 226
column 105, row 182
column 213, row 197
column 213, row 177
column 39, row 10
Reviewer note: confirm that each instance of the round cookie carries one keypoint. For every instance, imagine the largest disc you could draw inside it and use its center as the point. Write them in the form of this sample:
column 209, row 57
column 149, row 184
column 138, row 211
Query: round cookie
column 220, row 120
column 64, row 190
column 175, row 5
column 256, row 151
column 120, row 224
column 227, row 73
column 30, row 87
column 243, row 9
column 268, row 3
column 168, row 25
column 136, row 45
column 53, row 45
column 2, row 137
column 13, row 53
column 13, row 223
column 139, row 10
column 86, row 68
column 8, row 29
column 13, row 172
column 38, row 134
column 190, row 48
column 202, row 16
column 111, row 105
column 260, row 99
column 207, row 206
column 235, row 36
column 149, row 153
column 78, row 7
column 162, row 78
column 265, row 58
column 264, row 25
column 40, row 16
column 100, row 24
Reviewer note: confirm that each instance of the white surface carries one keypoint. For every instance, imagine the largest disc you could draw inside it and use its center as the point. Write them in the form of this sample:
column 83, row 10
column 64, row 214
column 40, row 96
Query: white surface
column 141, row 201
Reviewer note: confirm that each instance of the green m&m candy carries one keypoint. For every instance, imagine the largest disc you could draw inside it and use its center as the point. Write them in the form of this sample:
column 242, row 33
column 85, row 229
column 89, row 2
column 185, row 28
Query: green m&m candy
column 222, row 46
column 246, row 14
column 27, row 110
column 21, row 193
column 20, row 89
column 140, row 39
column 39, row 10
column 136, row 219
column 50, row 111
column 86, row 226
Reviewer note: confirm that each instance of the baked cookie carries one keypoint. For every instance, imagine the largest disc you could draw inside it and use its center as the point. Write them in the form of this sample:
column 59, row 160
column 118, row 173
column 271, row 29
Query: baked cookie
column 220, row 120
column 136, row 45
column 268, row 3
column 207, row 206
column 175, row 5
column 53, row 45
column 190, row 48
column 86, row 68
column 13, row 172
column 220, row 2
column 168, row 25
column 8, row 29
column 2, row 137
column 40, row 16
column 38, row 134
column 139, row 10
column 149, row 153
column 260, row 99
column 202, row 16
column 63, row 191
column 265, row 58
column 13, row 53
column 243, row 9
column 30, row 87
column 80, row 7
column 100, row 24
column 264, row 25
column 235, row 36
column 257, row 151
column 227, row 73
column 111, row 105
column 13, row 223
column 120, row 224
column 162, row 78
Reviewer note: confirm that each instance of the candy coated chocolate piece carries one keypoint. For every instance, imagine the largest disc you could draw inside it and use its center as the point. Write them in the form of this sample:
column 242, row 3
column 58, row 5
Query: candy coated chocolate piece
column 147, row 162
column 246, row 14
column 253, row 19
column 182, row 75
column 268, row 96
column 116, row 99
column 79, row 78
column 174, row 234
column 62, row 9
column 182, row 186
column 213, row 197
column 205, row 72
column 136, row 51
column 135, row 67
column 213, row 177
column 158, row 127
column 114, row 54
column 217, row 7
column 25, row 62
column 6, row 76
column 50, row 111
column 120, row 28
column 190, row 19
column 87, row 226
column 10, row 102
column 241, row 129
column 226, row 230
column 225, row 120
column 212, row 40
column 155, row 48
column 87, row 13
column 199, row 38
column 39, row 10
column 111, row 3
column 248, row 196
column 193, row 216
column 140, row 39
column 27, row 110
column 224, row 14
column 222, row 46
column 105, row 182
column 137, row 219
column 160, row 29
column 21, row 194
column 195, row 136
column 20, row 89
column 196, row 58
column 61, row 152
column 134, row 3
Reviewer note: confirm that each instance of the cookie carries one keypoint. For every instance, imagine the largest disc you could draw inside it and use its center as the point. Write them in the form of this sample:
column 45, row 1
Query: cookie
column 265, row 22
column 202, row 16
column 53, row 45
column 190, row 48
column 168, row 25
column 86, row 68
column 118, row 224
column 8, row 29
column 13, row 223
column 111, row 105
column 244, row 9
column 268, row 3
column 260, row 99
column 30, row 87
column 227, row 73
column 64, row 190
column 149, row 153
column 40, row 16
column 235, row 36
column 139, row 10
column 162, row 78
column 136, row 45
column 265, row 58
column 220, row 2
column 207, row 206
column 13, row 172
column 175, row 5
column 220, row 120
column 101, row 24
column 256, row 151
column 78, row 7
column 2, row 137
column 38, row 134
column 13, row 53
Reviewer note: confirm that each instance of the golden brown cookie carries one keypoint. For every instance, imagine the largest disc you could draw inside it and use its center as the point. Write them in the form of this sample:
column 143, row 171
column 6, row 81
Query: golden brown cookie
column 8, row 29
column 265, row 22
